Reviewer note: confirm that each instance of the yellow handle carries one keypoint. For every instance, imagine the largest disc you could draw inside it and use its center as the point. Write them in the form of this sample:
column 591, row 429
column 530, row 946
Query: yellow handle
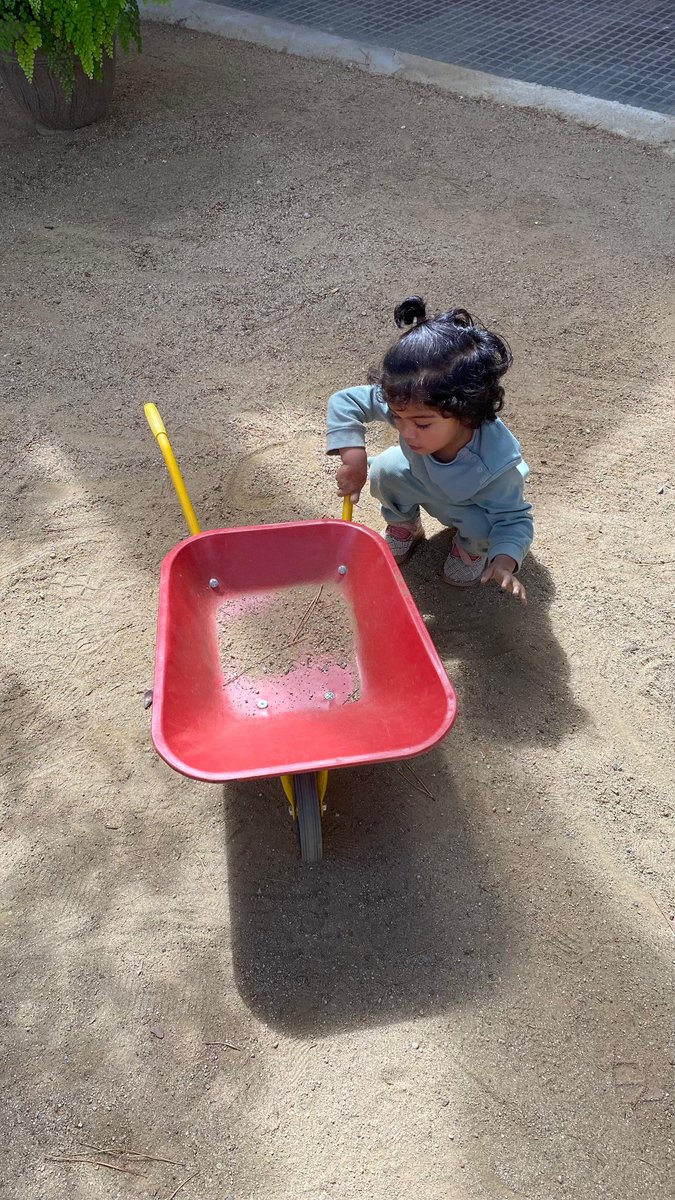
column 157, row 426
column 347, row 508
column 154, row 420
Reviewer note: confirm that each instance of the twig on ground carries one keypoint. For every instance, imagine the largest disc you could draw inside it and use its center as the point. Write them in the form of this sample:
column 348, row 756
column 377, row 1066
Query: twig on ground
column 664, row 915
column 182, row 1185
column 208, row 874
column 650, row 562
column 417, row 783
column 406, row 780
column 259, row 662
column 642, row 1088
column 308, row 612
column 648, row 1100
column 122, row 1153
column 92, row 1162
column 422, row 785
column 229, row 1045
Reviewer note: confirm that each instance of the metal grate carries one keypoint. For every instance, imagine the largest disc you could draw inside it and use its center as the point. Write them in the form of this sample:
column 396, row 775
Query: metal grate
column 614, row 49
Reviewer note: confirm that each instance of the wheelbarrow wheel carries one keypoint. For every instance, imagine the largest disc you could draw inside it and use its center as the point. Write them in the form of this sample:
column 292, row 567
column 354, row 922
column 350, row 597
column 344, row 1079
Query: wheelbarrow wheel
column 308, row 808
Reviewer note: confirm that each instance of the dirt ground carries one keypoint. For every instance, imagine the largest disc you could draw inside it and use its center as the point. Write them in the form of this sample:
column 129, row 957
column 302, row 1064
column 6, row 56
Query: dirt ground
column 472, row 995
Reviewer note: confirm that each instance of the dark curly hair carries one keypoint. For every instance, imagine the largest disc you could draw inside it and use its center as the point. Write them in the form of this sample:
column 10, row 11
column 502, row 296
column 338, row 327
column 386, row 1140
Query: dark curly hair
column 449, row 362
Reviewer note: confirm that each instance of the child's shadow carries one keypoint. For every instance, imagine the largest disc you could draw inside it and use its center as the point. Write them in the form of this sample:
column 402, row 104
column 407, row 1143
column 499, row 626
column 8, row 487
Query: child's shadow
column 510, row 673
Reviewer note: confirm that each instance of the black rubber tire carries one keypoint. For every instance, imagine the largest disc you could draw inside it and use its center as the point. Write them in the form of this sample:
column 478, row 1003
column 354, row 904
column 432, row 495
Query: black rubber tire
column 308, row 808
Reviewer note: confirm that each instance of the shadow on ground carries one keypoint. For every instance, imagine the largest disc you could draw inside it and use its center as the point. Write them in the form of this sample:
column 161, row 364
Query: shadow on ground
column 510, row 672
column 404, row 916
column 399, row 919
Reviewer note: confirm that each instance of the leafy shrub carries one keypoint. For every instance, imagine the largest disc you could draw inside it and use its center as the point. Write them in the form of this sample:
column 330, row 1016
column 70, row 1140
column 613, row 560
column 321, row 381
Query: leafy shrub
column 68, row 32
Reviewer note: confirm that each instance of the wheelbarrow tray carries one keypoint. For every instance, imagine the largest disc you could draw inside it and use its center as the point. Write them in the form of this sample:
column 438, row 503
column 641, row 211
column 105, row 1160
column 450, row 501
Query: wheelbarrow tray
column 406, row 702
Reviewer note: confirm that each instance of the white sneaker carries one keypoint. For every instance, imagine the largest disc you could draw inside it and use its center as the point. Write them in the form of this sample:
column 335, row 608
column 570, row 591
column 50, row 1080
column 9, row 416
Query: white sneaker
column 402, row 539
column 462, row 569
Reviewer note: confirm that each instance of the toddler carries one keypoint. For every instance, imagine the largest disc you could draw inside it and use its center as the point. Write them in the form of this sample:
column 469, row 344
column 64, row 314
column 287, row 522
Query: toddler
column 439, row 386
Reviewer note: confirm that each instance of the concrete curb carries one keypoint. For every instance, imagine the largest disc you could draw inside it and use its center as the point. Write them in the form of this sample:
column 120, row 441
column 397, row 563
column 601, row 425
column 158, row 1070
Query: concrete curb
column 652, row 128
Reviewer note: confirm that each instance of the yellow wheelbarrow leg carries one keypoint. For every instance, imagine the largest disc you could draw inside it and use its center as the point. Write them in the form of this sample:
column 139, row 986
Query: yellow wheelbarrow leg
column 287, row 785
column 306, row 794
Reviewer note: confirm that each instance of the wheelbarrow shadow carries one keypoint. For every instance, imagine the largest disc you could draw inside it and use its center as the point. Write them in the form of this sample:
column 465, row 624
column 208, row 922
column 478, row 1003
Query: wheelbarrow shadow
column 408, row 913
column 400, row 918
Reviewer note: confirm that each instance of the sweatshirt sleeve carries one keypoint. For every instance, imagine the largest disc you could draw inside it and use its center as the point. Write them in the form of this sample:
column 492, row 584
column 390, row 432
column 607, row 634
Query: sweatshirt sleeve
column 510, row 515
column 348, row 412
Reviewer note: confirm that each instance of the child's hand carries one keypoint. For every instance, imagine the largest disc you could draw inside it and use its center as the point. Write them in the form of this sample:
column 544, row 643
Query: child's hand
column 353, row 473
column 501, row 570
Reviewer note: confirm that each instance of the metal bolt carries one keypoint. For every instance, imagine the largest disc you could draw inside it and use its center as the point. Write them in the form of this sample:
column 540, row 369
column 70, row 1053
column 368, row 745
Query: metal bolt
column 342, row 570
column 329, row 695
column 262, row 704
column 213, row 583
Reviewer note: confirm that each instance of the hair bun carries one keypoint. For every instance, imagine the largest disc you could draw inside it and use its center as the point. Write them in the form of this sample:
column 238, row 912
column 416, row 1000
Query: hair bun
column 410, row 312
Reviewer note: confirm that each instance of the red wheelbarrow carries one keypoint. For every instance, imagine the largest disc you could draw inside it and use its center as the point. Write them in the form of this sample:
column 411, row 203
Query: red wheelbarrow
column 349, row 677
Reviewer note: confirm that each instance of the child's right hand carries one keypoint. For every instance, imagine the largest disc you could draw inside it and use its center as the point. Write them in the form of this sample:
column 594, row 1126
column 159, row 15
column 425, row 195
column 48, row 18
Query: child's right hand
column 352, row 475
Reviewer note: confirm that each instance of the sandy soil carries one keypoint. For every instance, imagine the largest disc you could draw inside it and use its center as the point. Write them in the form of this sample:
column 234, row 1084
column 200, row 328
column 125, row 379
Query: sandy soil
column 471, row 996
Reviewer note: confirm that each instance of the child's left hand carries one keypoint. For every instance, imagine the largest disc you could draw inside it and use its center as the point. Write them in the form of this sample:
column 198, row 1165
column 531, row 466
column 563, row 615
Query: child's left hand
column 501, row 570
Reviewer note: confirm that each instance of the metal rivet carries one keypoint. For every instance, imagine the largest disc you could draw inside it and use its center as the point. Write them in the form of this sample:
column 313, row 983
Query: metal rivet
column 213, row 583
column 262, row 704
column 342, row 570
column 329, row 695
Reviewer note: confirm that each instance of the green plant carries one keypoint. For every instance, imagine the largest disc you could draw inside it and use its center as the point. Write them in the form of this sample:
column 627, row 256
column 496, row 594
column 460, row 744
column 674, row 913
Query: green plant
column 68, row 32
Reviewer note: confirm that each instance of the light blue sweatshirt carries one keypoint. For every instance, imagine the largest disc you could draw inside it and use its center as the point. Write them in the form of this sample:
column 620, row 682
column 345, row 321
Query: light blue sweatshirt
column 481, row 492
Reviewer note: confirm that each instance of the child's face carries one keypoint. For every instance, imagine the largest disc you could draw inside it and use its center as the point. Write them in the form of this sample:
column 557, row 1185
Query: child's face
column 427, row 431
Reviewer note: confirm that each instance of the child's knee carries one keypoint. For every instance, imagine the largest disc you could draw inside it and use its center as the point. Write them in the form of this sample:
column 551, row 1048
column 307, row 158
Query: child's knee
column 387, row 467
column 374, row 473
